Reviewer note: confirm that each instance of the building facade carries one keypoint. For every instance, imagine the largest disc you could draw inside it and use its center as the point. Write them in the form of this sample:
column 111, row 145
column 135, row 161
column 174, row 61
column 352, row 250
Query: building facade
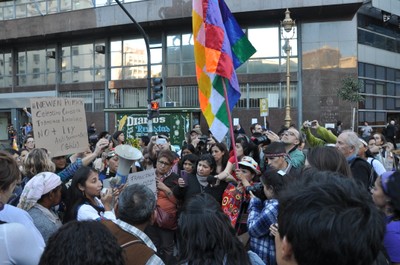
column 92, row 50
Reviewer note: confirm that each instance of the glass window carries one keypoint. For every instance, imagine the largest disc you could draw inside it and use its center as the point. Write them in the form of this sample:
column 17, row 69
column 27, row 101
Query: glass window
column 370, row 116
column 187, row 47
column 390, row 103
column 380, row 88
column 361, row 117
column 180, row 56
column 265, row 40
column 379, row 103
column 369, row 87
column 390, row 89
column 369, row 71
column 116, row 73
column 397, row 76
column 81, row 63
column 134, row 52
column 188, row 69
column 173, row 49
column 156, row 70
column 174, row 70
column 369, row 102
column 390, row 73
column 380, row 118
column 5, row 70
column 380, row 72
column 116, row 53
column 361, row 69
column 156, row 55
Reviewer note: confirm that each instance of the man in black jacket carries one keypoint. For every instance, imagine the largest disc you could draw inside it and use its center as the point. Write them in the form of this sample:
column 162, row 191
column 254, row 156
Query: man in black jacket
column 348, row 144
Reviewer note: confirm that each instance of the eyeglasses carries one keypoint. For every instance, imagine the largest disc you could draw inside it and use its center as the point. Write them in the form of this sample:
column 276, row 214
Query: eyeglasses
column 30, row 142
column 164, row 163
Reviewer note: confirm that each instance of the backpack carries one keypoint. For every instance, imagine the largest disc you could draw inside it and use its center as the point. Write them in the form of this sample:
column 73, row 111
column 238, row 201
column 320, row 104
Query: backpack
column 373, row 176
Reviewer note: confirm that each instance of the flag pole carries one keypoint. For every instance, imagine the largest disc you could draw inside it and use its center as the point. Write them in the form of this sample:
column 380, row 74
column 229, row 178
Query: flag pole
column 230, row 122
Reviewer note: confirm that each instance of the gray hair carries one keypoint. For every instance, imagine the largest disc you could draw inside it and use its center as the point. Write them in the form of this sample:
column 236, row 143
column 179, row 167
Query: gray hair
column 136, row 204
column 351, row 139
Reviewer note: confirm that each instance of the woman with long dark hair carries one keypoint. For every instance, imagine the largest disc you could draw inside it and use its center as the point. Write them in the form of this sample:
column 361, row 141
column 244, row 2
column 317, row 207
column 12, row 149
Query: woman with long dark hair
column 83, row 202
column 202, row 182
column 221, row 156
column 206, row 236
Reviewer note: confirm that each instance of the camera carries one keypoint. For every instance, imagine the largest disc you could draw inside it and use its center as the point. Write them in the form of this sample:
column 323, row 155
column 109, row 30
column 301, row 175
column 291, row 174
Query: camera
column 260, row 140
column 255, row 188
column 211, row 180
column 310, row 123
column 203, row 139
column 258, row 190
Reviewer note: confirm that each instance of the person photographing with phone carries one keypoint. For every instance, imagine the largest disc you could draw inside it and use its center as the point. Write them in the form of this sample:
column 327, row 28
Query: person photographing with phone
column 325, row 136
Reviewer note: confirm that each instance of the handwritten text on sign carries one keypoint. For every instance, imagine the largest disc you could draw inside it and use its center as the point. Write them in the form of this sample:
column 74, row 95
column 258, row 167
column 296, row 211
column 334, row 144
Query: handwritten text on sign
column 59, row 125
column 146, row 178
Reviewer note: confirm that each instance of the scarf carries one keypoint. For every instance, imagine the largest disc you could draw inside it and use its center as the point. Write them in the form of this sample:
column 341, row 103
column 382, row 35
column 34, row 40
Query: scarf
column 36, row 187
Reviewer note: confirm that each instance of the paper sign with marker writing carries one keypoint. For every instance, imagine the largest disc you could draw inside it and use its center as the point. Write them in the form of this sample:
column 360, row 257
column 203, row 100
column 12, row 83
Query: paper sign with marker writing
column 59, row 125
column 146, row 178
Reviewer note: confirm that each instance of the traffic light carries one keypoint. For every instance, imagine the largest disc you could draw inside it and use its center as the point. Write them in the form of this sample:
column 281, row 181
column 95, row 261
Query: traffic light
column 154, row 109
column 157, row 88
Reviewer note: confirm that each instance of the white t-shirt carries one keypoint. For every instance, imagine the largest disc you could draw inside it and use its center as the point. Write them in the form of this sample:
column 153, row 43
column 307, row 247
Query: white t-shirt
column 377, row 165
column 18, row 245
column 12, row 214
column 87, row 212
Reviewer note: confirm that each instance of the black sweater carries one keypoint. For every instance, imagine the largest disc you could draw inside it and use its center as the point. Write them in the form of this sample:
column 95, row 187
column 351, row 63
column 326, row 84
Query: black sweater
column 193, row 188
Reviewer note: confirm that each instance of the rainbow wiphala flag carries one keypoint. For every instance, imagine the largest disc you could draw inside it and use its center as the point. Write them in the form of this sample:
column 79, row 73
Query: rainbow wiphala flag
column 220, row 47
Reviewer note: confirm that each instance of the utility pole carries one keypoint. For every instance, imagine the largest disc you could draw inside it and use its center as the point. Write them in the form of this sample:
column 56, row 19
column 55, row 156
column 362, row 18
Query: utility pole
column 146, row 40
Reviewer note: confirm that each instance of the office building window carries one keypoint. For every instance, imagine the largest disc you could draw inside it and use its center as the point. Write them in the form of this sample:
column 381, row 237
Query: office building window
column 34, row 67
column 81, row 63
column 129, row 58
column 5, row 70
column 180, row 56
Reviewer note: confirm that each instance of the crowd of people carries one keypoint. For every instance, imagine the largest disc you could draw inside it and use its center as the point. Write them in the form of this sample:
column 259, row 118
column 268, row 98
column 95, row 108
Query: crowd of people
column 309, row 197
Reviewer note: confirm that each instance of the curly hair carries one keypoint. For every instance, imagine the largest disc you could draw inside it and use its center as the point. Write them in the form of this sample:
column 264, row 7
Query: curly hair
column 37, row 161
column 206, row 235
column 82, row 243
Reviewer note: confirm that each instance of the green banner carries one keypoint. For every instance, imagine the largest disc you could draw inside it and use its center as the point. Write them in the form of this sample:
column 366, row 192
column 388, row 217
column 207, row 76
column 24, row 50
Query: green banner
column 176, row 125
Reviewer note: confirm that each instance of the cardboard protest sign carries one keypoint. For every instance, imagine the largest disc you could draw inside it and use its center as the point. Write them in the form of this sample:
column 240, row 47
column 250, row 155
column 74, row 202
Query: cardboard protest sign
column 146, row 178
column 59, row 125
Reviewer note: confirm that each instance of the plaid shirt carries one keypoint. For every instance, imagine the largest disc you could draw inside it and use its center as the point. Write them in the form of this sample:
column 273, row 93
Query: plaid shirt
column 153, row 260
column 261, row 216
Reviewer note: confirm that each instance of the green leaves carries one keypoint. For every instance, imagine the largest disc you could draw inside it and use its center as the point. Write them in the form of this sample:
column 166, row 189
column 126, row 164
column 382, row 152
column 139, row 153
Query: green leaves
column 349, row 89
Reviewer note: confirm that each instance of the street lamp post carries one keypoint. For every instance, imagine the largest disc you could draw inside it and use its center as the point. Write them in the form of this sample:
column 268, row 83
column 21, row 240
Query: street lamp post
column 286, row 30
